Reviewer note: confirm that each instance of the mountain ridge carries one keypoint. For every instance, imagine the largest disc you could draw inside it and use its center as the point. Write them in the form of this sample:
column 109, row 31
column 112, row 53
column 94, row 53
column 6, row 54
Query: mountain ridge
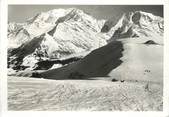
column 72, row 31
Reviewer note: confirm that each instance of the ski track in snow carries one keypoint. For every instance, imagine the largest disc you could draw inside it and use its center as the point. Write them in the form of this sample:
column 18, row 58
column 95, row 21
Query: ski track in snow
column 91, row 95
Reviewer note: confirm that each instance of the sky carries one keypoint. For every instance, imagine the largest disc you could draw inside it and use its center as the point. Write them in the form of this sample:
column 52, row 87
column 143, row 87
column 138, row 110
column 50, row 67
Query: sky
column 20, row 13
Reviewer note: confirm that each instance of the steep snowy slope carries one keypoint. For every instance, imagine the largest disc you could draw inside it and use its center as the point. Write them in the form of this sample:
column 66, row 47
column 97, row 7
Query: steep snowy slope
column 17, row 35
column 127, row 59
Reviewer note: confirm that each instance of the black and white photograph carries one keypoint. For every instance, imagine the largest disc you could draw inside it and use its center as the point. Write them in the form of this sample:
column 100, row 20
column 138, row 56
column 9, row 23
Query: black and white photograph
column 85, row 57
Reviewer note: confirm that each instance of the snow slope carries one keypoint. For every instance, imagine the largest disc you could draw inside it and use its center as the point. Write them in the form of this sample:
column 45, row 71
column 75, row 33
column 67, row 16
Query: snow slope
column 125, row 59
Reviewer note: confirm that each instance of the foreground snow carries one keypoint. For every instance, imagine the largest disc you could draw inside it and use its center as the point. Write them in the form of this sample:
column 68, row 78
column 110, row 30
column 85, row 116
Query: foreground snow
column 91, row 95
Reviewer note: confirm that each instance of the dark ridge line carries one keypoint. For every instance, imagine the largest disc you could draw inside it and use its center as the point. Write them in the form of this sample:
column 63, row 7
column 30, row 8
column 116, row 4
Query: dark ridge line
column 106, row 67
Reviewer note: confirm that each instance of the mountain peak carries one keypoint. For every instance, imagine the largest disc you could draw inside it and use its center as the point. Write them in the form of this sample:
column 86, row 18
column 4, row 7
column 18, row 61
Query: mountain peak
column 138, row 24
column 144, row 17
column 52, row 15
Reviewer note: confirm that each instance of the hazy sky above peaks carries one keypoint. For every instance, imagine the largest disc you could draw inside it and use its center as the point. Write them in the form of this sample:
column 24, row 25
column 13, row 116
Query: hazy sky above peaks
column 19, row 13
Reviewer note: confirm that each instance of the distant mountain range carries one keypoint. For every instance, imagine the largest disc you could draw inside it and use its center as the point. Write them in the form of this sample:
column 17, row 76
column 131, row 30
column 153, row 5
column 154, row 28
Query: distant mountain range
column 62, row 33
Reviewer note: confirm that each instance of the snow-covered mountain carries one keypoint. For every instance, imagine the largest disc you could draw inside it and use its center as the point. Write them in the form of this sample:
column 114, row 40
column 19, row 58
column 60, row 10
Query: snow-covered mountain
column 63, row 32
column 57, row 33
column 139, row 24
column 60, row 23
